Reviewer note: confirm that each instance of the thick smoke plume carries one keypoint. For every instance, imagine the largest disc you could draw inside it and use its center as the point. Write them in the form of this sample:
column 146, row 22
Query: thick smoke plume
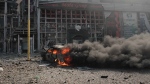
column 114, row 52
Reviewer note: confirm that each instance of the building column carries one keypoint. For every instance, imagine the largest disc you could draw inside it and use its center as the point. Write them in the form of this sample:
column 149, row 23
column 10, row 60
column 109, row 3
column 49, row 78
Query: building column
column 38, row 28
column 33, row 43
column 18, row 49
column 5, row 26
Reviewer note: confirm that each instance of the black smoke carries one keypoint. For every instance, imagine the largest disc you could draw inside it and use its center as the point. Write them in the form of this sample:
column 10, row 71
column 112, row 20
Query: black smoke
column 113, row 52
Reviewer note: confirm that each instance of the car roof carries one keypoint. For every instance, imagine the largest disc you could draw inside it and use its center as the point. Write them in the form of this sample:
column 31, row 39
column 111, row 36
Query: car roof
column 58, row 46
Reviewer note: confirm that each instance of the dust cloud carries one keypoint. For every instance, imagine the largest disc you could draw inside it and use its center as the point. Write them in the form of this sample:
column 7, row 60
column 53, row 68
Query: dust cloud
column 113, row 52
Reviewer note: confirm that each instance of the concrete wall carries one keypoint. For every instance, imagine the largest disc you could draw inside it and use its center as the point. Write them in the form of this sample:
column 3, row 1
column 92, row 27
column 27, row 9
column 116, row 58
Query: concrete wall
column 126, row 1
column 114, row 5
column 126, row 7
column 104, row 1
column 79, row 1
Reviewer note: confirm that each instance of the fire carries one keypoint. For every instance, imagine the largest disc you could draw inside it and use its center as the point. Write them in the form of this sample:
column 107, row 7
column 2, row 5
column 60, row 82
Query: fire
column 65, row 51
column 67, row 60
column 49, row 51
column 62, row 63
column 55, row 51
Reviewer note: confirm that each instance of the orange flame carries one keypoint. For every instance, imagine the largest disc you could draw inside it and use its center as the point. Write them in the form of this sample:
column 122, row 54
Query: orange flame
column 55, row 51
column 65, row 51
column 67, row 60
column 49, row 50
column 62, row 63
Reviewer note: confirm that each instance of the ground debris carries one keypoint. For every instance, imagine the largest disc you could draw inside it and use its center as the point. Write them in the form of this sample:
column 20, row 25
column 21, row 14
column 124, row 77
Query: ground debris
column 84, row 68
column 142, row 83
column 104, row 76
column 37, row 72
column 0, row 65
column 1, row 69
column 33, row 80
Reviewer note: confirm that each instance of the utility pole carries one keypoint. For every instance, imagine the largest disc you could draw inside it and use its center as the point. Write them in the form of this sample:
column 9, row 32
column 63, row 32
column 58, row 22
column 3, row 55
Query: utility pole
column 28, row 31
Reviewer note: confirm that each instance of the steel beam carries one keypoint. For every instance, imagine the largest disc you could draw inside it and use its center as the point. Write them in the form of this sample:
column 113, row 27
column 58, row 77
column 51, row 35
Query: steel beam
column 5, row 26
column 38, row 27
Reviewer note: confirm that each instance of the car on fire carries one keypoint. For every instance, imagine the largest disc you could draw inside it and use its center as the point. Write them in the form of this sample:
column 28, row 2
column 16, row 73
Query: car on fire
column 57, row 54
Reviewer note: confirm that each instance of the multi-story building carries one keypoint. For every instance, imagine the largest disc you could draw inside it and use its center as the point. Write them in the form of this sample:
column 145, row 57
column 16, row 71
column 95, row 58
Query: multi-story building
column 129, row 17
column 67, row 21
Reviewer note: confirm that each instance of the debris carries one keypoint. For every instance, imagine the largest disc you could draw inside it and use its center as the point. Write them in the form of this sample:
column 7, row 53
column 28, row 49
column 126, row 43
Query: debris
column 1, row 69
column 104, row 76
column 13, row 62
column 0, row 65
column 125, row 77
column 8, row 76
column 84, row 68
column 142, row 83
column 44, row 65
column 112, row 79
column 19, row 63
column 130, row 76
column 65, row 82
column 33, row 80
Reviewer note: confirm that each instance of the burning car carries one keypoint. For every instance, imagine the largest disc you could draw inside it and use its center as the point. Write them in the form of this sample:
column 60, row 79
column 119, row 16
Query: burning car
column 57, row 54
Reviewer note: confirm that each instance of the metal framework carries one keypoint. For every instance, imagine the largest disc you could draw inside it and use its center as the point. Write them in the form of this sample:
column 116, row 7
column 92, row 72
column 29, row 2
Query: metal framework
column 13, row 26
column 54, row 23
column 48, row 24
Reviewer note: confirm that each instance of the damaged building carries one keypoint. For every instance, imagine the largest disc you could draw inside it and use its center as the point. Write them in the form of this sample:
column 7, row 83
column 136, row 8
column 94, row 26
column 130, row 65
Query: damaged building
column 68, row 21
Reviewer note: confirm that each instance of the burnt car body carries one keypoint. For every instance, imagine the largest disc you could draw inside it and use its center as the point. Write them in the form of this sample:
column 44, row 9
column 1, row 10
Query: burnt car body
column 56, row 54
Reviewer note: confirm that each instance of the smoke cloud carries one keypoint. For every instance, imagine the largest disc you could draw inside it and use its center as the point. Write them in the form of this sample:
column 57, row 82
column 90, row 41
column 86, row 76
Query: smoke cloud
column 113, row 52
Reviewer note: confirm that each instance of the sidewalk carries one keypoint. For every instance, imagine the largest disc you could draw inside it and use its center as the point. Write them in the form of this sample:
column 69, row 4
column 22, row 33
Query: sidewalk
column 18, row 55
